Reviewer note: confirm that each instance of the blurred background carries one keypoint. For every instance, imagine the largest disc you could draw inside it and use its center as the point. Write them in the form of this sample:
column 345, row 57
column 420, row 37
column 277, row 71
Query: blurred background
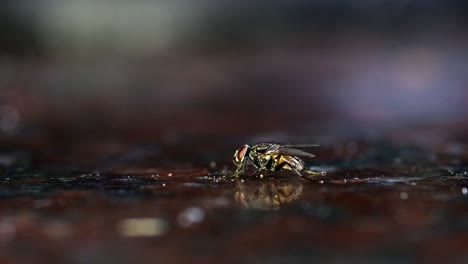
column 156, row 69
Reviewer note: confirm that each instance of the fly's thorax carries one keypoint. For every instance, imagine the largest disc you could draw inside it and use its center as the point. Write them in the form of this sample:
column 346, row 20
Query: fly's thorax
column 262, row 160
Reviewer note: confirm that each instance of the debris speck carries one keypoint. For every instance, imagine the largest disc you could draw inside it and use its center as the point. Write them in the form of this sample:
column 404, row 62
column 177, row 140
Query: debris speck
column 169, row 174
column 465, row 191
column 191, row 216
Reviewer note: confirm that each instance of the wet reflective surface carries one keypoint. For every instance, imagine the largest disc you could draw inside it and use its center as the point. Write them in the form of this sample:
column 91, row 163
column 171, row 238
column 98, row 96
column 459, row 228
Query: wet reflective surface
column 119, row 121
column 398, row 195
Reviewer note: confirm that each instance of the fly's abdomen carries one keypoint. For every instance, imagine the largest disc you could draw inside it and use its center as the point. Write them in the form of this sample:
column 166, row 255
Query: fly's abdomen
column 288, row 163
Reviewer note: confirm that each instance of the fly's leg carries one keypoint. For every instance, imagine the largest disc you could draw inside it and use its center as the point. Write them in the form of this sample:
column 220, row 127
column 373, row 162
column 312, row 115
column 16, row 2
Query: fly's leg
column 241, row 170
column 298, row 173
column 238, row 172
column 280, row 166
column 255, row 173
column 310, row 174
column 257, row 169
column 315, row 173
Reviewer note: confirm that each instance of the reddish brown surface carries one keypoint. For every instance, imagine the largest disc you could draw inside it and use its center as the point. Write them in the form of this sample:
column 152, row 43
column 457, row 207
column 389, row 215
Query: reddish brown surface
column 116, row 149
column 390, row 199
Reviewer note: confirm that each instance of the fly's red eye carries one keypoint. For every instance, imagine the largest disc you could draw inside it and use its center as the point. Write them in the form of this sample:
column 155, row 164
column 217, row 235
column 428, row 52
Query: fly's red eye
column 241, row 152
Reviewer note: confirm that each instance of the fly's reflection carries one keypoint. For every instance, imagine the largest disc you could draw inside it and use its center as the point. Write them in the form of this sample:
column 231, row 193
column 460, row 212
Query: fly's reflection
column 269, row 195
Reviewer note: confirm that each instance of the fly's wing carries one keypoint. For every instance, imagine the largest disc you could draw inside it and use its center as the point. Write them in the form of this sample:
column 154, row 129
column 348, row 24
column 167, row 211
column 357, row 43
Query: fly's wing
column 294, row 152
column 302, row 146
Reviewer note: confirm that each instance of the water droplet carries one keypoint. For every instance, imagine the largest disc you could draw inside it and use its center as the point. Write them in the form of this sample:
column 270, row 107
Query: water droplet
column 57, row 229
column 403, row 195
column 323, row 211
column 212, row 164
column 9, row 118
column 7, row 230
column 191, row 216
column 42, row 203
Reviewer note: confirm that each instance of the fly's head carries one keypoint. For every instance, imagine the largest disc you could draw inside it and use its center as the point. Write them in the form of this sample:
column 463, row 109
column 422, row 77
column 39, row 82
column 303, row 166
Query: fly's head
column 241, row 154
